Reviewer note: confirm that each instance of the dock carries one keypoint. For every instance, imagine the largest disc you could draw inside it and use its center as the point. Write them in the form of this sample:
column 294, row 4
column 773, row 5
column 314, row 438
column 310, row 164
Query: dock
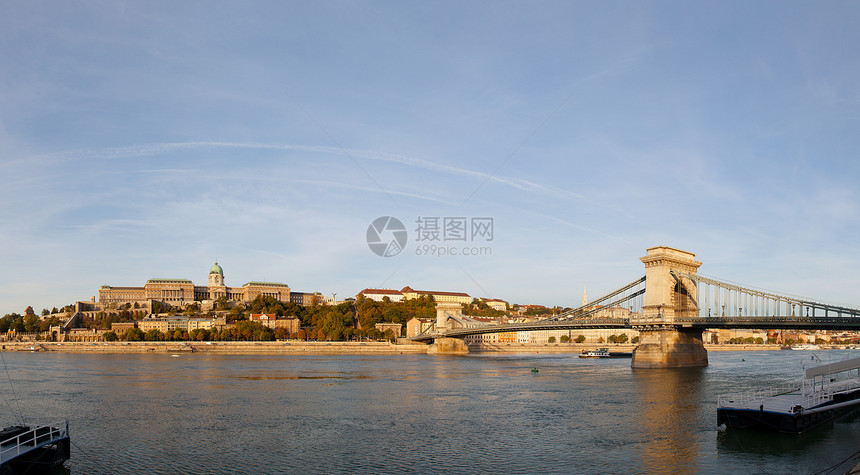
column 824, row 393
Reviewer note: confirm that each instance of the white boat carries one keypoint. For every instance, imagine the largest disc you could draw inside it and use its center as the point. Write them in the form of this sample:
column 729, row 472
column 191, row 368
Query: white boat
column 824, row 392
column 598, row 353
column 805, row 346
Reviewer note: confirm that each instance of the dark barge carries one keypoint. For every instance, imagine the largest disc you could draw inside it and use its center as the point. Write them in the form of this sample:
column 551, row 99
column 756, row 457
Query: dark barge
column 825, row 393
column 33, row 447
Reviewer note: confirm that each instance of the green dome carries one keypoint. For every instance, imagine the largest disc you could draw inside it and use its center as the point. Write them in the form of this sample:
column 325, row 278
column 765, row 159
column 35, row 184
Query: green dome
column 216, row 269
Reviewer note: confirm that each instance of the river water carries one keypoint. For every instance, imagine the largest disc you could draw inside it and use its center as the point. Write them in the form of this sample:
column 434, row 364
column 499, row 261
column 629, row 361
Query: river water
column 486, row 413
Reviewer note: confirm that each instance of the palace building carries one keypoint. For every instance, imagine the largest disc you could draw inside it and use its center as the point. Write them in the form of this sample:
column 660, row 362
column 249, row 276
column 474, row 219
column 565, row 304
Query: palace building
column 179, row 292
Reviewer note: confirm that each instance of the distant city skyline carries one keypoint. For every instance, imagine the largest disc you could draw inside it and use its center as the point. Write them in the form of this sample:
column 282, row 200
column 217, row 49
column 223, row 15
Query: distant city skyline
column 148, row 140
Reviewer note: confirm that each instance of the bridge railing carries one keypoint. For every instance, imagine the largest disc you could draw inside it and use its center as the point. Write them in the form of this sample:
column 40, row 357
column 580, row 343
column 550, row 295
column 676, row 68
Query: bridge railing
column 36, row 435
column 772, row 319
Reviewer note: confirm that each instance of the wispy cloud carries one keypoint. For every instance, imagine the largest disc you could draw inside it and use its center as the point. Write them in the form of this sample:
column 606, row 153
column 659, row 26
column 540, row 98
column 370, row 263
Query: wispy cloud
column 157, row 149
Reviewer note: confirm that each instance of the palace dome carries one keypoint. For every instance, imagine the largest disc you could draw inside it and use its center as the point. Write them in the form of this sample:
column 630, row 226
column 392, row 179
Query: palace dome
column 216, row 269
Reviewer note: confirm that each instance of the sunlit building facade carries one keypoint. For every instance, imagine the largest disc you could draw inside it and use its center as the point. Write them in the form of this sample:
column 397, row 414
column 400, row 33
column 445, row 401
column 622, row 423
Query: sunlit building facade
column 179, row 292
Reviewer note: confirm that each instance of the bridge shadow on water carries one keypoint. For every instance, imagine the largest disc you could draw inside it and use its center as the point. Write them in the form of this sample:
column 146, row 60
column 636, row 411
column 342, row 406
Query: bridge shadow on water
column 669, row 408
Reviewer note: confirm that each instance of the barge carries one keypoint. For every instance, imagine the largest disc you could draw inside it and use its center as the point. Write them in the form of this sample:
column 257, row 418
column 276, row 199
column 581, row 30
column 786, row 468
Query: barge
column 824, row 393
column 33, row 447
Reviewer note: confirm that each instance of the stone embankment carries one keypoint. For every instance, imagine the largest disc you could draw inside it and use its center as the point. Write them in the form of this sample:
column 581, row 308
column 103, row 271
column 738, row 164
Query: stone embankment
column 221, row 347
column 546, row 348
column 334, row 347
column 581, row 347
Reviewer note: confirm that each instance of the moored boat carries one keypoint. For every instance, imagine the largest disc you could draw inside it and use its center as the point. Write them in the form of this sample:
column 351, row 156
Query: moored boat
column 598, row 353
column 824, row 393
column 805, row 346
column 605, row 353
column 33, row 446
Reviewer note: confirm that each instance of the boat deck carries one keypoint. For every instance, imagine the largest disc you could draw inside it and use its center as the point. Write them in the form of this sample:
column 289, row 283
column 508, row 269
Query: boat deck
column 825, row 392
column 33, row 437
column 782, row 402
column 788, row 400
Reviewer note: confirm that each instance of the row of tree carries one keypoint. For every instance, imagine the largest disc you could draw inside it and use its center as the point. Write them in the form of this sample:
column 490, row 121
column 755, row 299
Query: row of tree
column 622, row 338
column 29, row 323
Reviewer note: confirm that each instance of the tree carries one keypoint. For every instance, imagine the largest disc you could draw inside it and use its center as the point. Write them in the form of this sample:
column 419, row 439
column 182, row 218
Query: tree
column 635, row 340
column 622, row 338
column 132, row 334
column 236, row 314
column 153, row 335
column 580, row 339
column 31, row 323
column 565, row 339
column 551, row 339
column 111, row 336
column 613, row 338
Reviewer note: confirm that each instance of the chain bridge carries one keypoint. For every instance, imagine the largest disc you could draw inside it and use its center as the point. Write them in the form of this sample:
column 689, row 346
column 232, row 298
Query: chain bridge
column 670, row 306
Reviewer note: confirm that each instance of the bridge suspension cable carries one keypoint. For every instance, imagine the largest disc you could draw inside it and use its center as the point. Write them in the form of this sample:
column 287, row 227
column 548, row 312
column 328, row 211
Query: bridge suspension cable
column 716, row 298
column 628, row 293
column 584, row 309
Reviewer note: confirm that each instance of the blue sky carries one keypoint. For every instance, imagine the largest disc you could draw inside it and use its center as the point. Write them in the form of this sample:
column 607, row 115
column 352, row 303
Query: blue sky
column 148, row 139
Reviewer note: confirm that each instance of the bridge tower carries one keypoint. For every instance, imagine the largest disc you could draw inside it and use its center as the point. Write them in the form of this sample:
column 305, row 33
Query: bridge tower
column 662, row 342
column 445, row 320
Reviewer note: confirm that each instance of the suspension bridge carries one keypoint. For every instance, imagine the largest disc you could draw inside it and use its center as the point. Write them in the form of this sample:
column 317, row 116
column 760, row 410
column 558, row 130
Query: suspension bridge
column 670, row 306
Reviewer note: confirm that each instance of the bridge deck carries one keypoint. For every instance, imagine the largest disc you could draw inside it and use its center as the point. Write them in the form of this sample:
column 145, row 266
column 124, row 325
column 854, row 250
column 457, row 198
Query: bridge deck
column 759, row 323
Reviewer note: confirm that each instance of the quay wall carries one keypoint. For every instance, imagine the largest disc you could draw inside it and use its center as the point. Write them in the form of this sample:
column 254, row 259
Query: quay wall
column 333, row 347
column 221, row 347
column 613, row 347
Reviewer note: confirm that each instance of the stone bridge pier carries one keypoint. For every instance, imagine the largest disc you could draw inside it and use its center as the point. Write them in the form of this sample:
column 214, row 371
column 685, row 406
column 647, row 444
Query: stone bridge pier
column 662, row 342
column 446, row 319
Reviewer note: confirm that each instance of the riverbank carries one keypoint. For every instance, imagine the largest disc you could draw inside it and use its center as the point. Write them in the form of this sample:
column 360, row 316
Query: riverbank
column 336, row 347
column 581, row 347
column 221, row 347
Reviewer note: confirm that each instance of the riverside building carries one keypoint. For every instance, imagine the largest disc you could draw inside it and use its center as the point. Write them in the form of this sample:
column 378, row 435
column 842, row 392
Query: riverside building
column 179, row 292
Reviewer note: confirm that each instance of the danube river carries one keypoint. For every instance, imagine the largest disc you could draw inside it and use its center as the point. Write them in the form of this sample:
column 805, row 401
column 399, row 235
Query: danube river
column 487, row 413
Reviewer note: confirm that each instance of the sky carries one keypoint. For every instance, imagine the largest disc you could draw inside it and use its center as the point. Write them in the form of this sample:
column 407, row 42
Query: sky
column 147, row 140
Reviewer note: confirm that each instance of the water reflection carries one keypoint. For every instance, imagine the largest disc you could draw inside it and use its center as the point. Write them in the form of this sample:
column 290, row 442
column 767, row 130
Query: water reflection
column 669, row 408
